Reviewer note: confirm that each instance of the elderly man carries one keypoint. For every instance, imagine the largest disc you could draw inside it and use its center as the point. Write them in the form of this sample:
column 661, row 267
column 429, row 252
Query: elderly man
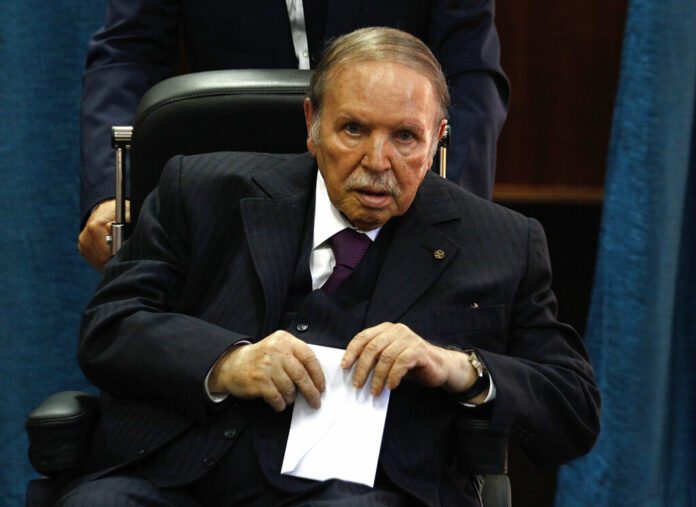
column 198, row 334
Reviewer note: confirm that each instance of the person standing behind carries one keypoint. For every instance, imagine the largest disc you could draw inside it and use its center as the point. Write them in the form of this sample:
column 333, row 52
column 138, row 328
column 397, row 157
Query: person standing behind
column 144, row 42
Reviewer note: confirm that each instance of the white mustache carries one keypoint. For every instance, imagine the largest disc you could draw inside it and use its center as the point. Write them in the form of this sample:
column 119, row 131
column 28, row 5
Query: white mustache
column 382, row 181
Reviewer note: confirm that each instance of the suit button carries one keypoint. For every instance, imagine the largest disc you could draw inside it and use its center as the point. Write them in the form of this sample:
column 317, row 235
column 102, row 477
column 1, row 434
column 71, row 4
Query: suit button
column 208, row 462
column 230, row 433
column 302, row 327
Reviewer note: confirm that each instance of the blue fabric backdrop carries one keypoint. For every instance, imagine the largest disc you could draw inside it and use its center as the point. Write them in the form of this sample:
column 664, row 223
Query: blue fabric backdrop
column 642, row 323
column 43, row 282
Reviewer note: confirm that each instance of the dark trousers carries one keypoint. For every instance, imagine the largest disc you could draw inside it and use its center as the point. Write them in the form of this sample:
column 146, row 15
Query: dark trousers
column 236, row 480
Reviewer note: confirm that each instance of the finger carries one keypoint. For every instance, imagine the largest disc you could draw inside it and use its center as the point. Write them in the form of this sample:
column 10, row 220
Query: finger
column 93, row 255
column 357, row 344
column 273, row 397
column 308, row 358
column 268, row 383
column 264, row 386
column 285, row 386
column 92, row 243
column 407, row 361
column 303, row 382
column 388, row 359
column 99, row 253
column 369, row 356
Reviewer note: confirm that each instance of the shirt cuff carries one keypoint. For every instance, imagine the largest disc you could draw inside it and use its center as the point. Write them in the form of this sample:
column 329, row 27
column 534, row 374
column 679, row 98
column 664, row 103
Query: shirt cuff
column 489, row 397
column 219, row 398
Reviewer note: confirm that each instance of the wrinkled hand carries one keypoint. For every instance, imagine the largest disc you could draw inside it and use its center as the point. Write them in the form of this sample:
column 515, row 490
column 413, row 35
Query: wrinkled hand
column 396, row 352
column 92, row 240
column 274, row 369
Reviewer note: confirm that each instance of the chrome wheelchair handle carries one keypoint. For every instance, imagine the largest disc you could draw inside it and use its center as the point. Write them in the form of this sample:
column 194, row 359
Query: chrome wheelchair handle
column 443, row 145
column 120, row 141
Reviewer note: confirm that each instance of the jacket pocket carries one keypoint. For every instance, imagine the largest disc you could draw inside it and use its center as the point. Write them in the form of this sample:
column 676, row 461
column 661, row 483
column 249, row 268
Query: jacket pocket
column 471, row 319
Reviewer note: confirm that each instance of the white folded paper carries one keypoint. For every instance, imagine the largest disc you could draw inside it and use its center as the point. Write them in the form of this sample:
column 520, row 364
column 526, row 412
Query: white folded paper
column 342, row 438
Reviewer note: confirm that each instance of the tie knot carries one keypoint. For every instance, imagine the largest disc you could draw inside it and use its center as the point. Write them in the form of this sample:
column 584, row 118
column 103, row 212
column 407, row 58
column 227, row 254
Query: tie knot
column 349, row 246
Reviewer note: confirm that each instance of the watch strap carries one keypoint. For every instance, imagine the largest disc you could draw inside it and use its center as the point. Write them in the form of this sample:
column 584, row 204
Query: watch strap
column 483, row 380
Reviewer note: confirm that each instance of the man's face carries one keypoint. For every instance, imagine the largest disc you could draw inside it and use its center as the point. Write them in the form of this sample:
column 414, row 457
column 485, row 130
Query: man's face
column 376, row 135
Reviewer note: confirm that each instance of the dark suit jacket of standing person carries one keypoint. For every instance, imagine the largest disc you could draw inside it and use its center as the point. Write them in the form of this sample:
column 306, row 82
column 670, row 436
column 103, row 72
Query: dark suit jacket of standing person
column 210, row 263
column 137, row 48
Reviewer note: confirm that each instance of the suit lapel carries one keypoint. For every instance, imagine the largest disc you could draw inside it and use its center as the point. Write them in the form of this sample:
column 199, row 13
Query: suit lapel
column 274, row 229
column 417, row 256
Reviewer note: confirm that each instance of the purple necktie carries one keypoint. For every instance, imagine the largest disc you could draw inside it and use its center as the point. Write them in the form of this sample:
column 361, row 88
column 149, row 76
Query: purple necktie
column 348, row 247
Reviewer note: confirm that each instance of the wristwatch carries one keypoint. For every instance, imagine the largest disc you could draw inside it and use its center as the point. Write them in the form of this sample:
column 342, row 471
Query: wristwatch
column 483, row 380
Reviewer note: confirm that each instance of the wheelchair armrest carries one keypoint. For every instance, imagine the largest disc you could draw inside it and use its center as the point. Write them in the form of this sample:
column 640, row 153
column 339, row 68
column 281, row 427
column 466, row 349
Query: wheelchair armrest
column 480, row 450
column 484, row 453
column 59, row 431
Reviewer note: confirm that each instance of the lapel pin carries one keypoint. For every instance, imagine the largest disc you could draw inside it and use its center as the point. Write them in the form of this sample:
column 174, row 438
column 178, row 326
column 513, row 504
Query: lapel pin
column 439, row 254
column 474, row 305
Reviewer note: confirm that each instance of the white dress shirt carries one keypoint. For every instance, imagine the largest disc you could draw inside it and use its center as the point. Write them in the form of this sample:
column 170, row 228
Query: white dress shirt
column 299, row 32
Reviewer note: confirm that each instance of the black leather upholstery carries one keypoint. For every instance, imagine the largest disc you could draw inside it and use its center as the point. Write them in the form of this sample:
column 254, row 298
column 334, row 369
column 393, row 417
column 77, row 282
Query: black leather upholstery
column 238, row 110
column 57, row 431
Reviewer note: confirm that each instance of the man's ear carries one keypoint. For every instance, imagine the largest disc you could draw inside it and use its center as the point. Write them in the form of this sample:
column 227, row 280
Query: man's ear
column 309, row 117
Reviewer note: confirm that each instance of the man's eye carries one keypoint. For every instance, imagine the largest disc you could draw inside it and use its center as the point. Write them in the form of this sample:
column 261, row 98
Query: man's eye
column 352, row 128
column 404, row 135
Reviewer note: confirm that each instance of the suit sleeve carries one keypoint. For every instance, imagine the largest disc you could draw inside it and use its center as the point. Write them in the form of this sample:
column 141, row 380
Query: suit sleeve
column 546, row 393
column 132, row 343
column 135, row 49
column 463, row 37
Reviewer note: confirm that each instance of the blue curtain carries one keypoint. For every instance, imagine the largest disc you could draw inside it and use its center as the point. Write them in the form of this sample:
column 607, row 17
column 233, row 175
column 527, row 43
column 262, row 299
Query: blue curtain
column 43, row 282
column 642, row 323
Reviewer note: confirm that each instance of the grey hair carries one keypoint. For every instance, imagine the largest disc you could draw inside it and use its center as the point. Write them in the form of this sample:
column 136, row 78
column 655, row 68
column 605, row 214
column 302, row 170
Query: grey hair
column 379, row 44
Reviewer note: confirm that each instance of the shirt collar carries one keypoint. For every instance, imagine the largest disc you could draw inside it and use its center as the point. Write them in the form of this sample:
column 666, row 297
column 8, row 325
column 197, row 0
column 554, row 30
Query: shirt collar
column 327, row 219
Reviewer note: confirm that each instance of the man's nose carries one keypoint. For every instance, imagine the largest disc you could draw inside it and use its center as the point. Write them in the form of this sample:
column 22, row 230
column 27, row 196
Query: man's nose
column 377, row 153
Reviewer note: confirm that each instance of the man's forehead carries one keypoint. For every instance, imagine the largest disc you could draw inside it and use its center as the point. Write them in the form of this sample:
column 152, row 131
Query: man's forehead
column 373, row 66
column 353, row 84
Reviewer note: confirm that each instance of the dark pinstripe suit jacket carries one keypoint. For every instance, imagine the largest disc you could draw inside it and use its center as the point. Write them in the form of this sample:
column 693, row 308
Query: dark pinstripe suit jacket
column 210, row 264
